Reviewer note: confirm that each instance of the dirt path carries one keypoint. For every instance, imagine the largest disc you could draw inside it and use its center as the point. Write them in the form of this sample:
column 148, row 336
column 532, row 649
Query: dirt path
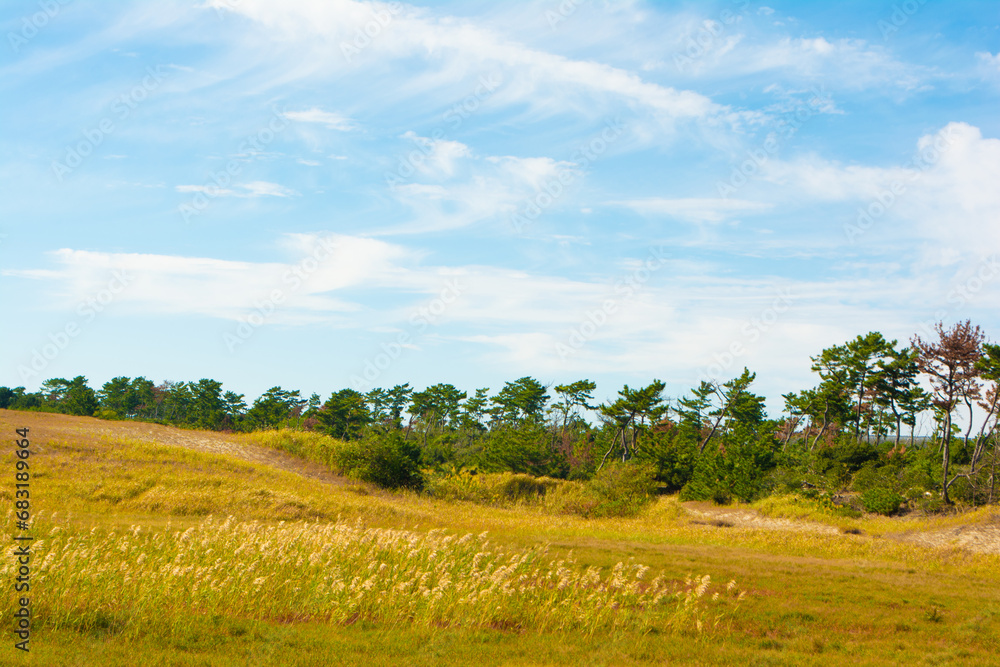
column 742, row 518
column 221, row 443
column 46, row 426
column 980, row 538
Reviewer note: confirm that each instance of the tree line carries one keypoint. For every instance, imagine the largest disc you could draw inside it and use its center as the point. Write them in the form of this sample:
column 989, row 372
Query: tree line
column 853, row 431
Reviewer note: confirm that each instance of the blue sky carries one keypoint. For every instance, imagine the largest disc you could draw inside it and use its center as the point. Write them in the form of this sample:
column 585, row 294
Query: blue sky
column 336, row 194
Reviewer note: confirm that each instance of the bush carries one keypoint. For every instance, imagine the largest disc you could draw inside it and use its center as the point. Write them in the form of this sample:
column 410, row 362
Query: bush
column 881, row 500
column 387, row 461
column 619, row 489
column 873, row 476
column 523, row 450
column 673, row 455
column 735, row 467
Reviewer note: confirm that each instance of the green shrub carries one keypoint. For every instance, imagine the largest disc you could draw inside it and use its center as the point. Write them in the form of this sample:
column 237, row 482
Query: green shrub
column 387, row 461
column 523, row 450
column 736, row 466
column 873, row 476
column 881, row 500
column 673, row 456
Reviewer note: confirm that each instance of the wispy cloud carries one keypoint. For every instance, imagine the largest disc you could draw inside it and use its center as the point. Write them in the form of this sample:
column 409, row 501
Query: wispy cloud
column 456, row 51
column 693, row 209
column 328, row 119
column 251, row 189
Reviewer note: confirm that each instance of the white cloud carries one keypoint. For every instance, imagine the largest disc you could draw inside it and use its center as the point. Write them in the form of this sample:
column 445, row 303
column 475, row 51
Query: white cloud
column 435, row 157
column 170, row 285
column 211, row 190
column 989, row 59
column 695, row 210
column 945, row 195
column 989, row 65
column 458, row 188
column 265, row 188
column 678, row 322
column 458, row 51
column 251, row 189
column 329, row 119
column 851, row 64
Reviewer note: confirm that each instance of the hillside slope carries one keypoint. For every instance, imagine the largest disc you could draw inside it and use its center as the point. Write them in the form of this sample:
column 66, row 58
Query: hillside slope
column 155, row 544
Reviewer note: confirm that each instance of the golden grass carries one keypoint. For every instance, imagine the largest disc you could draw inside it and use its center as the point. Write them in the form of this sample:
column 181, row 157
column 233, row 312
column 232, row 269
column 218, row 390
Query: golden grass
column 811, row 598
column 342, row 573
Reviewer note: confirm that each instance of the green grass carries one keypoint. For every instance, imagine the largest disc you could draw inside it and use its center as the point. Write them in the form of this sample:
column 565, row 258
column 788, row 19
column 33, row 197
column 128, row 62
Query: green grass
column 811, row 598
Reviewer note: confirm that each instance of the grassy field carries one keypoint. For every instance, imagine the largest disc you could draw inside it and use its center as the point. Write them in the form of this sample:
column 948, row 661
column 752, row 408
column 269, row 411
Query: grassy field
column 159, row 546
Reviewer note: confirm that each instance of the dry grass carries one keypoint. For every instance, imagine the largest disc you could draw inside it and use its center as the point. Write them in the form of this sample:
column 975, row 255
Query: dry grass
column 342, row 573
column 812, row 597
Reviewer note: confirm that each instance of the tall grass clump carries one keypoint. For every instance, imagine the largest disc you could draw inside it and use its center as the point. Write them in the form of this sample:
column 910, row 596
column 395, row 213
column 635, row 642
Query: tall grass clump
column 129, row 580
column 316, row 447
column 388, row 461
column 502, row 489
column 617, row 490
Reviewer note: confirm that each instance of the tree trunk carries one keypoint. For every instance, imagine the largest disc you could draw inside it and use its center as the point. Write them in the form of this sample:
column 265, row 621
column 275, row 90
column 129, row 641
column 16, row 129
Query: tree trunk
column 968, row 431
column 857, row 415
column 819, row 435
column 982, row 438
column 826, row 422
column 993, row 469
column 792, row 423
column 946, row 449
column 614, row 443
